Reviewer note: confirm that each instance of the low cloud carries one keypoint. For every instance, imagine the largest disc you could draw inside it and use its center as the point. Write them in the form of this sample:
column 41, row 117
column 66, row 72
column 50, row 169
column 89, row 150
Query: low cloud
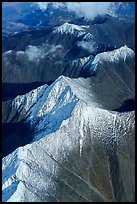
column 57, row 5
column 35, row 53
column 83, row 9
column 42, row 5
column 88, row 43
column 53, row 48
column 90, row 9
column 87, row 46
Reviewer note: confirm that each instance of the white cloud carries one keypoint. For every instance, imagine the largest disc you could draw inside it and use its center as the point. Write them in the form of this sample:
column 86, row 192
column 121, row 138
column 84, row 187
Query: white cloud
column 53, row 48
column 83, row 9
column 35, row 53
column 57, row 4
column 90, row 9
column 42, row 5
column 88, row 43
column 87, row 46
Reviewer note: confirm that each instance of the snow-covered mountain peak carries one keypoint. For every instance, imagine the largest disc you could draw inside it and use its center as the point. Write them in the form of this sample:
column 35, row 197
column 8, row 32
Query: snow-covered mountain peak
column 26, row 170
column 43, row 92
column 68, row 28
column 114, row 56
column 48, row 104
column 123, row 52
column 8, row 52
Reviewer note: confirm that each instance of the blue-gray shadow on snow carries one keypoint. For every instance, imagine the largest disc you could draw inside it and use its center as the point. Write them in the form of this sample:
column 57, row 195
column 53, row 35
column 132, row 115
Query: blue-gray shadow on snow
column 9, row 191
column 52, row 121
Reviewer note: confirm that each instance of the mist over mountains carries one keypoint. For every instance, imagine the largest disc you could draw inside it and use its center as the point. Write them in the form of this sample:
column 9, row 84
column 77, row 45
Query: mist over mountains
column 68, row 102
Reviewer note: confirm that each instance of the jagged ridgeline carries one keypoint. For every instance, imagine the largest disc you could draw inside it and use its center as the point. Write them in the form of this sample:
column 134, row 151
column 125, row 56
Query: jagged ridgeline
column 68, row 111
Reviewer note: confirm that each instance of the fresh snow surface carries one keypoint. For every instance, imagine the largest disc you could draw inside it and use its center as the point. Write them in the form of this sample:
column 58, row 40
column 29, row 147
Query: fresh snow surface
column 82, row 61
column 7, row 52
column 114, row 56
column 29, row 99
column 26, row 170
column 68, row 28
column 47, row 107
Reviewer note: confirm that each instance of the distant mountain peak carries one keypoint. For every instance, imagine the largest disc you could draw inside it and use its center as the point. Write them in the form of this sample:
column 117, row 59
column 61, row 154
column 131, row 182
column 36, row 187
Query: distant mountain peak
column 114, row 56
column 68, row 28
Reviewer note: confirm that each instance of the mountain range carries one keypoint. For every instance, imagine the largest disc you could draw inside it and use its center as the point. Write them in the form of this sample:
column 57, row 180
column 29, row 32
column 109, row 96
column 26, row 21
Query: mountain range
column 68, row 109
